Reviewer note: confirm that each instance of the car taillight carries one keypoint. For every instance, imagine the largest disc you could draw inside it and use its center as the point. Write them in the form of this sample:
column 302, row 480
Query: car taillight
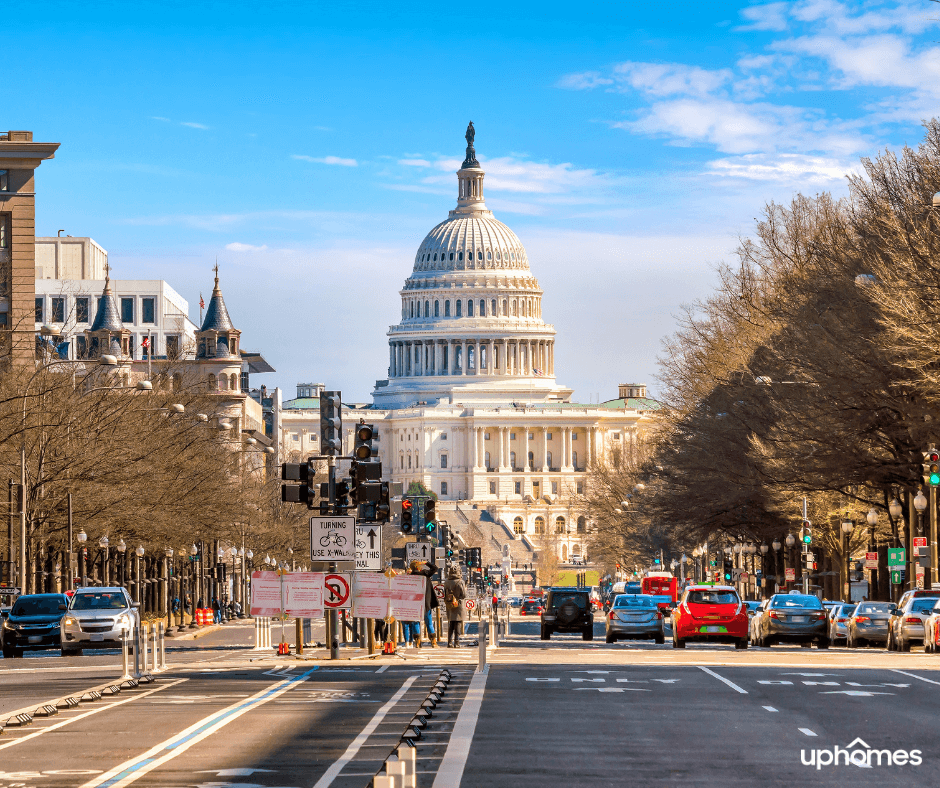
column 862, row 618
column 821, row 616
column 611, row 616
column 773, row 614
column 912, row 620
column 842, row 620
column 660, row 616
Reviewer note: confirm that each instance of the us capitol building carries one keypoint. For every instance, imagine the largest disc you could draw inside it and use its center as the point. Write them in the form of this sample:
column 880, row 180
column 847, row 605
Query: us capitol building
column 471, row 407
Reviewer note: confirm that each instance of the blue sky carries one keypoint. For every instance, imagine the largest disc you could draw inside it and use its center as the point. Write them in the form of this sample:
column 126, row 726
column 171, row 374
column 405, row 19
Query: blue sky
column 310, row 147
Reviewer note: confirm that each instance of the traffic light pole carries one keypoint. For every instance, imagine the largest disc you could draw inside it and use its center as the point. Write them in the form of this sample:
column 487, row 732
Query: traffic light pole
column 805, row 562
column 332, row 618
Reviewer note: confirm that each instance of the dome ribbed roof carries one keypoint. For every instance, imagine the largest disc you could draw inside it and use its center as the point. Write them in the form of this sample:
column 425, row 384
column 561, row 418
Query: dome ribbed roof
column 107, row 317
column 471, row 242
column 217, row 318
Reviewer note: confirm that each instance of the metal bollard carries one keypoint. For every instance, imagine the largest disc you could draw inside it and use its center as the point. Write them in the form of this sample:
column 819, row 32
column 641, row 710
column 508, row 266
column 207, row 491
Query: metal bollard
column 162, row 646
column 407, row 756
column 137, row 639
column 494, row 626
column 155, row 650
column 125, row 657
column 481, row 659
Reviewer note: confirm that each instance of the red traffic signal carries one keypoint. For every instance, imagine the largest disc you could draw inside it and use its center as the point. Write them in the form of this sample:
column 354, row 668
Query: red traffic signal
column 933, row 456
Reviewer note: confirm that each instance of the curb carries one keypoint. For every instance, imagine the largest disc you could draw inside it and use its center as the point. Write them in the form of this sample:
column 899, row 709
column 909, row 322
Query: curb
column 196, row 634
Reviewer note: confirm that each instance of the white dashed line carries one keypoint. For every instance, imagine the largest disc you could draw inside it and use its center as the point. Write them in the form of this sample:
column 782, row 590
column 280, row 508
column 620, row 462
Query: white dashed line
column 807, row 732
column 770, row 708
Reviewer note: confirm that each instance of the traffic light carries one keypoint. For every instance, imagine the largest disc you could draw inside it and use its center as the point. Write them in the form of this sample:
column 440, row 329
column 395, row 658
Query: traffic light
column 430, row 518
column 447, row 542
column 331, row 423
column 298, row 472
column 365, row 481
column 364, row 448
column 462, row 558
column 932, row 468
column 727, row 569
column 342, row 495
column 407, row 516
column 383, row 509
column 806, row 532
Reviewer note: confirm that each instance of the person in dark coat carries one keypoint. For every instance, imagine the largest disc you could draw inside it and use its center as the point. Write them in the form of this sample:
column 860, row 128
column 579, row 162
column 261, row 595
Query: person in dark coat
column 455, row 592
column 428, row 569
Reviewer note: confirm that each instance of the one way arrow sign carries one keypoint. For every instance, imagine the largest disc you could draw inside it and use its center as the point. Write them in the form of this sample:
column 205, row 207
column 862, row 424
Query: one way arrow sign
column 419, row 551
column 368, row 547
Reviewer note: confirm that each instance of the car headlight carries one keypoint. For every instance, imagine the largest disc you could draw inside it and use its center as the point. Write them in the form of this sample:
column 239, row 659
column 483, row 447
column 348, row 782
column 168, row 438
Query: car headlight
column 68, row 621
column 124, row 621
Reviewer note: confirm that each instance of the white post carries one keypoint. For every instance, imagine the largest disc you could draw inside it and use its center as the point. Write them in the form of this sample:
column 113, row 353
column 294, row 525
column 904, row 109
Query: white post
column 137, row 639
column 162, row 646
column 407, row 756
column 481, row 659
column 125, row 661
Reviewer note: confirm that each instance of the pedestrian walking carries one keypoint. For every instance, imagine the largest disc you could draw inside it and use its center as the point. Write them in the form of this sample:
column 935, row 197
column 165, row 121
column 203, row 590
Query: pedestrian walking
column 216, row 611
column 428, row 569
column 455, row 592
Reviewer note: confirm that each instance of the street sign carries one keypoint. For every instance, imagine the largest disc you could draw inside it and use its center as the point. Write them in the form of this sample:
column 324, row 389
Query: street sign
column 790, row 574
column 896, row 558
column 368, row 547
column 333, row 538
column 9, row 590
column 336, row 591
column 810, row 557
column 419, row 551
column 896, row 577
column 470, row 604
column 871, row 560
column 440, row 555
column 439, row 590
column 920, row 541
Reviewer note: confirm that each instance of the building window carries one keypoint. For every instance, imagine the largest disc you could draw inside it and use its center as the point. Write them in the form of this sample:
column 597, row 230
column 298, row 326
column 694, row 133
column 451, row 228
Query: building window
column 4, row 180
column 427, row 308
column 172, row 346
column 486, row 460
column 493, row 307
column 39, row 309
column 580, row 488
column 615, row 436
column 574, row 460
column 443, row 488
column 148, row 310
column 518, row 488
column 444, row 359
column 559, row 525
column 127, row 310
column 447, row 309
column 233, row 378
column 295, row 437
column 457, row 305
column 4, row 237
column 409, row 462
column 57, row 313
column 512, row 459
column 482, row 308
column 443, row 436
column 540, row 525
column 582, row 525
column 437, row 309
column 512, row 436
column 574, row 436
column 469, row 308
column 531, row 461
column 548, row 458
column 549, row 436
column 517, row 526
column 531, row 436
column 486, row 436
column 81, row 346
column 81, row 310
column 443, row 461
column 554, row 488
column 492, row 488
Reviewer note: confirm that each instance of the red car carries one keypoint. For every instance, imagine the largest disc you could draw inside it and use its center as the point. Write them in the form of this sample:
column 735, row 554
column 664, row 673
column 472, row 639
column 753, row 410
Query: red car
column 710, row 613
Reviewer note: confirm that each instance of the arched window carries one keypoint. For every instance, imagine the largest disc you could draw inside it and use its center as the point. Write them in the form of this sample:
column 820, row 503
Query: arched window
column 575, row 550
column 427, row 308
column 409, row 461
column 213, row 383
column 512, row 308
column 437, row 309
column 493, row 307
column 582, row 525
column 574, row 460
column 512, row 459
column 559, row 525
column 540, row 525
column 233, row 382
column 480, row 255
column 486, row 460
column 458, row 357
column 401, row 458
column 469, row 308
column 412, row 308
column 517, row 526
column 489, row 255
column 460, row 255
column 482, row 308
column 548, row 459
column 505, row 308
column 457, row 308
column 447, row 309
column 452, row 257
column 471, row 358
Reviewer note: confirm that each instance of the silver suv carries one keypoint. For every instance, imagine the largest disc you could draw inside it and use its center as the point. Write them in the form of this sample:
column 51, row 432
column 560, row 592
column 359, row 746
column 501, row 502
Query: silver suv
column 98, row 618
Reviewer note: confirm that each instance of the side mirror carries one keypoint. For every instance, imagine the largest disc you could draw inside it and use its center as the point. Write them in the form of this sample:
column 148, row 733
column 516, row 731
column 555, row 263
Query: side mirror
column 135, row 605
column 63, row 607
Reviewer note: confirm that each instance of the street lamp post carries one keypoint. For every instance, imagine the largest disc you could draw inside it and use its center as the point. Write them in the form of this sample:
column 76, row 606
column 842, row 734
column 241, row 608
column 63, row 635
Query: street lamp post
column 82, row 538
column 138, row 590
column 872, row 519
column 895, row 509
column 167, row 607
column 103, row 544
column 122, row 549
column 763, row 568
column 920, row 504
column 194, row 583
column 789, row 541
column 847, row 527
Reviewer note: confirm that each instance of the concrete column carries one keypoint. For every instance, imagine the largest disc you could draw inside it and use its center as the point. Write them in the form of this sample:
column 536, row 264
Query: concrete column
column 526, row 449
column 544, row 449
column 481, row 447
column 566, row 436
column 391, row 360
column 476, row 357
column 503, row 447
column 463, row 356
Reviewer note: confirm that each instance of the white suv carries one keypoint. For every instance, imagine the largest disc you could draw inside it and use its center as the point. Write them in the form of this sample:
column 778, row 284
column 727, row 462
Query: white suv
column 97, row 618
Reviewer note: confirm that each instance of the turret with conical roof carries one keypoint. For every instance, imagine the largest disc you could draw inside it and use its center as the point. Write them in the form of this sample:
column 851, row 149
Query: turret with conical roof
column 217, row 338
column 107, row 334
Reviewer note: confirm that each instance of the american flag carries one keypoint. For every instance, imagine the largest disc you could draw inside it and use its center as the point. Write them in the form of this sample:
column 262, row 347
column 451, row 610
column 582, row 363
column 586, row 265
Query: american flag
column 145, row 342
column 202, row 304
column 537, row 371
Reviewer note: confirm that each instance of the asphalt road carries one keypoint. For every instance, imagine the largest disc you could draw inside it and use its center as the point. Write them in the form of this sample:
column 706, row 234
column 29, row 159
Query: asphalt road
column 566, row 712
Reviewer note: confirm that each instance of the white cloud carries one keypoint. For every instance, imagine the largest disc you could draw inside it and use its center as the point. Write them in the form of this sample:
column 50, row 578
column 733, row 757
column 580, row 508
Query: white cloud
column 785, row 168
column 652, row 79
column 584, row 81
column 336, row 160
column 772, row 16
column 157, row 117
column 240, row 247
column 415, row 162
column 192, row 125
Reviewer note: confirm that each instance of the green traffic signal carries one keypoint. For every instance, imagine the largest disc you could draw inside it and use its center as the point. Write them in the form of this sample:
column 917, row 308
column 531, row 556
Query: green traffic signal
column 807, row 538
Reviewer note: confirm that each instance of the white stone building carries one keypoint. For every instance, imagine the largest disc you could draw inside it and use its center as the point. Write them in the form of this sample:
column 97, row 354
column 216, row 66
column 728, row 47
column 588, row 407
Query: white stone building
column 471, row 407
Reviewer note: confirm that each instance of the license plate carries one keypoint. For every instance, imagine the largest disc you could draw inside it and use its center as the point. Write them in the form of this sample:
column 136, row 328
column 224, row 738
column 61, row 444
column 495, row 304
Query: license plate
column 35, row 639
column 799, row 619
column 96, row 638
column 713, row 629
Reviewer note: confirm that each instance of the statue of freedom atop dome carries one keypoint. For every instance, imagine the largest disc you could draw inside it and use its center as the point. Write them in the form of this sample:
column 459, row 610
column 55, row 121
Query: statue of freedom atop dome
column 471, row 160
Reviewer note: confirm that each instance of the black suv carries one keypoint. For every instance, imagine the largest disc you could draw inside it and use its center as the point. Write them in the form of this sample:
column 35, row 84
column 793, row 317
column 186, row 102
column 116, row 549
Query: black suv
column 568, row 610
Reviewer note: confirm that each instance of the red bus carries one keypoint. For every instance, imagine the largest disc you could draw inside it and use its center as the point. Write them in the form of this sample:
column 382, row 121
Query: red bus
column 663, row 586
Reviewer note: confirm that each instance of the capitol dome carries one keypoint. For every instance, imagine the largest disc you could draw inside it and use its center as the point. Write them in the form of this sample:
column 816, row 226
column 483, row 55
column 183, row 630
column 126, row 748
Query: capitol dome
column 471, row 326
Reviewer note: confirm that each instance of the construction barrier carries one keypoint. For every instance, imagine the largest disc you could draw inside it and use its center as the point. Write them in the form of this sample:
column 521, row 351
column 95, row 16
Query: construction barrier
column 262, row 633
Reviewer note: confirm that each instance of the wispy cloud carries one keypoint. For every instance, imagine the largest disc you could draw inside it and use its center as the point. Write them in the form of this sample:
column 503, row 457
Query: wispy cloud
column 790, row 168
column 193, row 125
column 157, row 117
column 240, row 247
column 334, row 160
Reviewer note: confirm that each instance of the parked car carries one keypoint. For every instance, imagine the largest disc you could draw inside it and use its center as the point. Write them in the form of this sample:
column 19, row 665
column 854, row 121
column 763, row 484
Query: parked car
column 98, row 618
column 794, row 618
column 710, row 613
column 531, row 607
column 635, row 616
column 754, row 623
column 839, row 620
column 932, row 630
column 906, row 625
column 515, row 601
column 568, row 610
column 868, row 624
column 33, row 623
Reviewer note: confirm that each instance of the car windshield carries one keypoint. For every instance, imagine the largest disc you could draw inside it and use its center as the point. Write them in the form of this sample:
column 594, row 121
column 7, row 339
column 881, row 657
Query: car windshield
column 874, row 607
column 797, row 600
column 846, row 610
column 560, row 599
column 710, row 597
column 923, row 605
column 36, row 606
column 634, row 601
column 104, row 600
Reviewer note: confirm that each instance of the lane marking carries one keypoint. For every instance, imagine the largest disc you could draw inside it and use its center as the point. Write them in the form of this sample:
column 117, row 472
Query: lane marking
column 770, row 708
column 70, row 720
column 913, row 676
column 730, row 683
column 132, row 770
column 382, row 669
column 450, row 772
column 807, row 732
column 359, row 741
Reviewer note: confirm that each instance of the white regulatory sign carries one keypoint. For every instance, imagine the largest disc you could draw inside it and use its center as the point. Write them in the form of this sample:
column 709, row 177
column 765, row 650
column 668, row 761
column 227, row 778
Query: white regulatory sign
column 368, row 547
column 333, row 538
column 419, row 551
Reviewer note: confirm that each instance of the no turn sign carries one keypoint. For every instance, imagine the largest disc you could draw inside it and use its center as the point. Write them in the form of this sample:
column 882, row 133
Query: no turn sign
column 439, row 590
column 336, row 591
column 470, row 604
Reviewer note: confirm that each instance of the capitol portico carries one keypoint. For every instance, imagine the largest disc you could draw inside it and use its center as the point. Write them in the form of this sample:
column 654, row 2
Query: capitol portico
column 471, row 407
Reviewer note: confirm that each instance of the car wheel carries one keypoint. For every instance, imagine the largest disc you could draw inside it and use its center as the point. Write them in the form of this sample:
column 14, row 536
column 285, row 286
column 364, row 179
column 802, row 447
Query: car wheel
column 823, row 643
column 659, row 640
column 17, row 653
column 546, row 633
column 849, row 642
column 610, row 638
column 904, row 645
column 741, row 644
column 588, row 633
column 677, row 643
column 8, row 652
column 767, row 643
column 889, row 642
